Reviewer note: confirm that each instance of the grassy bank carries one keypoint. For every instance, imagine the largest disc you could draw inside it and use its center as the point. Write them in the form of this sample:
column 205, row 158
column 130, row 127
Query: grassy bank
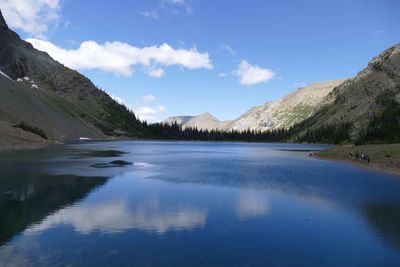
column 382, row 157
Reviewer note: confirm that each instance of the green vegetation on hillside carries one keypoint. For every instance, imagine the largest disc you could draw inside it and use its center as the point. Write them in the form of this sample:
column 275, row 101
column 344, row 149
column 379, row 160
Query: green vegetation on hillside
column 32, row 129
column 329, row 134
column 119, row 120
column 299, row 113
column 384, row 127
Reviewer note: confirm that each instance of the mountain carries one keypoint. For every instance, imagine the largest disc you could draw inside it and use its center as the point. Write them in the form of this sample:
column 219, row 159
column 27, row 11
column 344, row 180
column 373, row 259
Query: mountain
column 205, row 121
column 282, row 113
column 286, row 111
column 42, row 101
column 181, row 120
column 362, row 109
column 365, row 108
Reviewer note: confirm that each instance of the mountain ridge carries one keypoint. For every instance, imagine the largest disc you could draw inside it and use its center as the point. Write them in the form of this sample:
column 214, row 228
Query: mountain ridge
column 282, row 113
column 366, row 106
column 41, row 92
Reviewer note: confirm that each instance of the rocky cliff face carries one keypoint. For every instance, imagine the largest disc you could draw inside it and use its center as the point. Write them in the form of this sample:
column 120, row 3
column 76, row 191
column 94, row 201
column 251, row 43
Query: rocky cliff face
column 64, row 104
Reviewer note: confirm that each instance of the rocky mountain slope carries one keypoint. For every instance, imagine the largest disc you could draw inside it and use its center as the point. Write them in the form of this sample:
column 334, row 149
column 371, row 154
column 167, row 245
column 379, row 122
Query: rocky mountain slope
column 282, row 113
column 286, row 111
column 204, row 121
column 45, row 95
column 181, row 120
column 367, row 104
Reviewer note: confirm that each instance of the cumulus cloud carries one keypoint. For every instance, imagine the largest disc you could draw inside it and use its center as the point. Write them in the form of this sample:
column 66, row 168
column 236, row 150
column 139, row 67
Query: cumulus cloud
column 143, row 112
column 120, row 58
column 32, row 16
column 147, row 113
column 252, row 74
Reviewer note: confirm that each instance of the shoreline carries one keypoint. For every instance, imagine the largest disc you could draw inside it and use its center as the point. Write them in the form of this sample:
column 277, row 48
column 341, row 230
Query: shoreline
column 384, row 158
column 362, row 165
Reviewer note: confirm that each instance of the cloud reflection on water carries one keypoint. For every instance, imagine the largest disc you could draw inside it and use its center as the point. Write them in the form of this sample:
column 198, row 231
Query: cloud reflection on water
column 252, row 204
column 118, row 216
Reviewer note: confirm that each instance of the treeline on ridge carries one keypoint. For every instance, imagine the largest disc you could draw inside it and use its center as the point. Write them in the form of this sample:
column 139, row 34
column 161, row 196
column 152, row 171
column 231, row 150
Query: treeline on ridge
column 383, row 128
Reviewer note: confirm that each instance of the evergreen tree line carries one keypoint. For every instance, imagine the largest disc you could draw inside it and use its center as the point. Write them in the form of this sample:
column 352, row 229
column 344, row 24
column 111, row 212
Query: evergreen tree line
column 126, row 120
column 176, row 132
column 385, row 126
column 327, row 134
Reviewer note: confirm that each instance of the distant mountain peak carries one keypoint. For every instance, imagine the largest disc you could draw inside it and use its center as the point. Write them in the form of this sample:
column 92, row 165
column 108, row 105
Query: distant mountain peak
column 207, row 115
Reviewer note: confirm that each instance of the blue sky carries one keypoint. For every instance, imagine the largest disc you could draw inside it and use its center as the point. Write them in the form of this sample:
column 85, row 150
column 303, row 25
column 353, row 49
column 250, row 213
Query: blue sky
column 222, row 57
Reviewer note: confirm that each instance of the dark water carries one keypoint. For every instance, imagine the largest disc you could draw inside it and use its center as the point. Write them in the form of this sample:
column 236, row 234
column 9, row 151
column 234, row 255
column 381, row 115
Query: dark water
column 193, row 204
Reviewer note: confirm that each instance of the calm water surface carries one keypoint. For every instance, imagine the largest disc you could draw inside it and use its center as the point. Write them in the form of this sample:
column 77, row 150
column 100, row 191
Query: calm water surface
column 194, row 204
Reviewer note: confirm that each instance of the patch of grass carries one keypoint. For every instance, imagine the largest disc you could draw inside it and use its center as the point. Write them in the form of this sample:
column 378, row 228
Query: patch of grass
column 300, row 112
column 32, row 129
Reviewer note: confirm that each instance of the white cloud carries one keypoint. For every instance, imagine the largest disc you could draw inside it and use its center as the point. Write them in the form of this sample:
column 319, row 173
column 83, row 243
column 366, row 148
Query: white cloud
column 144, row 113
column 228, row 49
column 150, row 14
column 148, row 113
column 156, row 73
column 32, row 16
column 222, row 74
column 172, row 5
column 252, row 74
column 148, row 98
column 378, row 32
column 166, row 8
column 120, row 58
column 161, row 108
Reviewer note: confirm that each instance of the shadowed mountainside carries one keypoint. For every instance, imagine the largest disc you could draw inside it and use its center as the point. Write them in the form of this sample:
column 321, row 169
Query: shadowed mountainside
column 44, row 94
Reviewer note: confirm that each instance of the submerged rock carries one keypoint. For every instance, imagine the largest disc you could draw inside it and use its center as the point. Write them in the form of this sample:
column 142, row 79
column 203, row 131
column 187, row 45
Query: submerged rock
column 111, row 164
column 99, row 154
